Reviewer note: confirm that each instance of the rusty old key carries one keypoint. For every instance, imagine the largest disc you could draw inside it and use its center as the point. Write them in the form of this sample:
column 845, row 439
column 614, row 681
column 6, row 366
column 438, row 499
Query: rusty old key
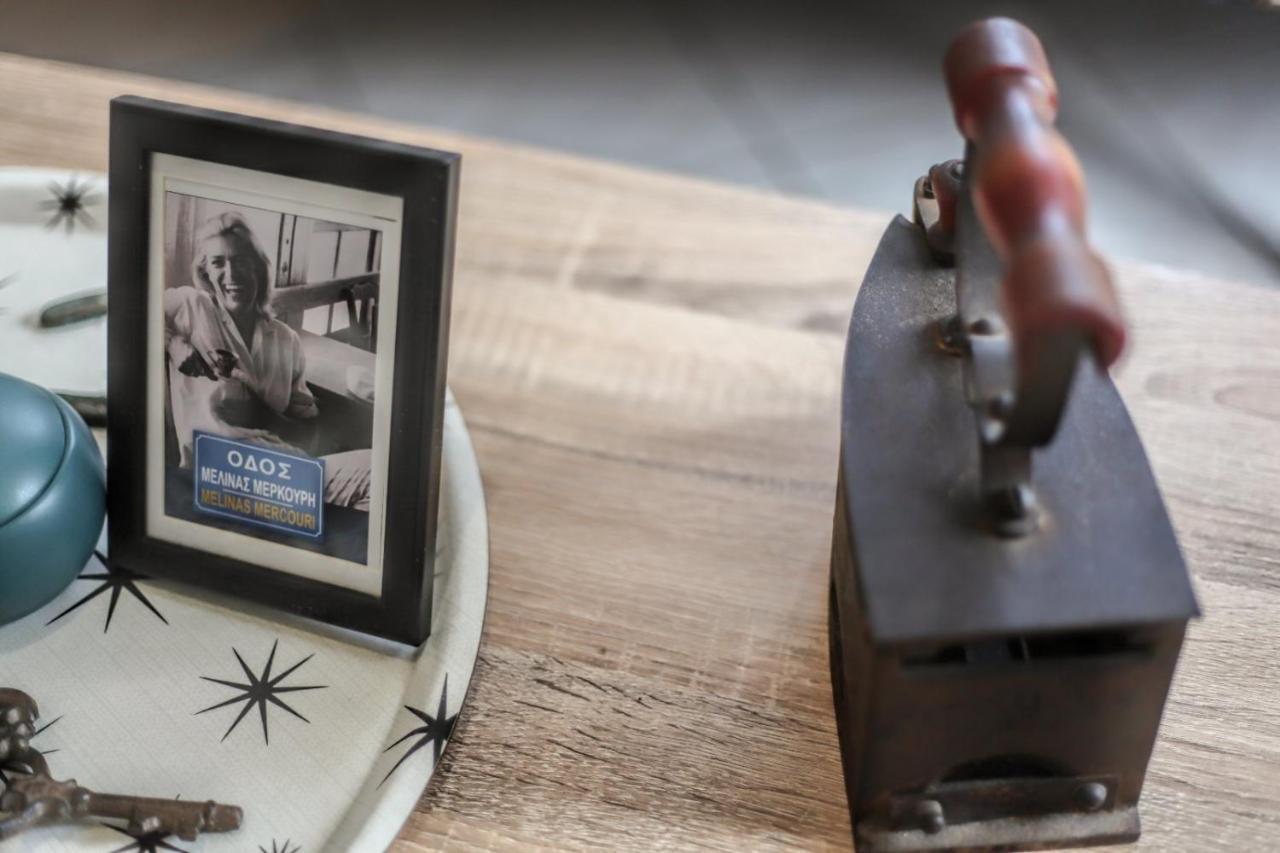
column 36, row 799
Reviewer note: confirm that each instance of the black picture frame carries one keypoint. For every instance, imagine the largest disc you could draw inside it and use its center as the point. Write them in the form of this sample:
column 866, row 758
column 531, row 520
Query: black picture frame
column 427, row 181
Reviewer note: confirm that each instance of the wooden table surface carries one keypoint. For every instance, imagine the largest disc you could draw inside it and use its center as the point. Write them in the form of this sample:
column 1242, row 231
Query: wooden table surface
column 650, row 367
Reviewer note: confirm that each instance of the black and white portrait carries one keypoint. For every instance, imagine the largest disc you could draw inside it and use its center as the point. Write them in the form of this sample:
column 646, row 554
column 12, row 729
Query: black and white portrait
column 272, row 318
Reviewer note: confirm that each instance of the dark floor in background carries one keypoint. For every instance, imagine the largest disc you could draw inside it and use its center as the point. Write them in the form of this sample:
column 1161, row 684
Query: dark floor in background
column 1173, row 106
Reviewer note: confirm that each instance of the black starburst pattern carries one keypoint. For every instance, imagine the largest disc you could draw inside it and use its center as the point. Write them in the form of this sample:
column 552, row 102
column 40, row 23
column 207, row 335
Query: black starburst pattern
column 260, row 690
column 116, row 579
column 282, row 848
column 435, row 731
column 68, row 204
column 144, row 842
column 8, row 768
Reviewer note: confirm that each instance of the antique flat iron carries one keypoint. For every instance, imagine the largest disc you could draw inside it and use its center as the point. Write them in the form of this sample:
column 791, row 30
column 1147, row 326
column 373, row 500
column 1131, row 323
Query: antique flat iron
column 1008, row 598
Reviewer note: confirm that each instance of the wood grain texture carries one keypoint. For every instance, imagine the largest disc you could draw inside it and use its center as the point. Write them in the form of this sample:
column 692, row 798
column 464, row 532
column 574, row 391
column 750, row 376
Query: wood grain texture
column 650, row 369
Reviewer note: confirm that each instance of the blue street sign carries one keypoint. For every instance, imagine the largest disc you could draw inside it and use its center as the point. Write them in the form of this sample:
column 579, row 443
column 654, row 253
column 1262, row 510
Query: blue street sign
column 259, row 486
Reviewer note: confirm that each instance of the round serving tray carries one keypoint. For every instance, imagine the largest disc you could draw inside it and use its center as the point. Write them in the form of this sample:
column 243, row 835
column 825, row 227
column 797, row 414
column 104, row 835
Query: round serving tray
column 151, row 689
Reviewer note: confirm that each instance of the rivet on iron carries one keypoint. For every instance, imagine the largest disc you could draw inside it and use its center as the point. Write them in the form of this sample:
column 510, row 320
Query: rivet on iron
column 1014, row 511
column 983, row 326
column 1091, row 796
column 929, row 813
column 1000, row 405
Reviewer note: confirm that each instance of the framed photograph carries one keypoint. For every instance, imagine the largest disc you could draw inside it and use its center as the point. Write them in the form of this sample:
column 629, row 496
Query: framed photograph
column 277, row 328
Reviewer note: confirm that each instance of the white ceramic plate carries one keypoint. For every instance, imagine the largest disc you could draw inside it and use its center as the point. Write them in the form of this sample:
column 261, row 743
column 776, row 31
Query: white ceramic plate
column 136, row 679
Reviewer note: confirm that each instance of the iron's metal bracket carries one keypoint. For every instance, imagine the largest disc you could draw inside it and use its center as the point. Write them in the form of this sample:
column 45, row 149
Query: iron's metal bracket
column 1016, row 408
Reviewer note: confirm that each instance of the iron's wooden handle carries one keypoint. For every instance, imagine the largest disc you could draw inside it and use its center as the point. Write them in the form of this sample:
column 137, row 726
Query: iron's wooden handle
column 1028, row 190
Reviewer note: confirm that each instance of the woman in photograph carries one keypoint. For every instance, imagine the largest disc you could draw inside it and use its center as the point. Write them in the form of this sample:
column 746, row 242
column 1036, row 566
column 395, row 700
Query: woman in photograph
column 236, row 371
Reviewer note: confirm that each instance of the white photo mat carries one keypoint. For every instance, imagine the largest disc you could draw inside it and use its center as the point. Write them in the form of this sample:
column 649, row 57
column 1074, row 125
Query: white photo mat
column 299, row 197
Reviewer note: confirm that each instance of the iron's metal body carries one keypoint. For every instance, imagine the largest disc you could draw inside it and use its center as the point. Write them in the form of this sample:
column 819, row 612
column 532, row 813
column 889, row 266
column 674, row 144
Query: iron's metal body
column 992, row 691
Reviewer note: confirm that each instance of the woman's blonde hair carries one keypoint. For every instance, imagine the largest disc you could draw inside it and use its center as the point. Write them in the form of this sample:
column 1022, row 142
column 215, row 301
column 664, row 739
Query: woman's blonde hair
column 232, row 228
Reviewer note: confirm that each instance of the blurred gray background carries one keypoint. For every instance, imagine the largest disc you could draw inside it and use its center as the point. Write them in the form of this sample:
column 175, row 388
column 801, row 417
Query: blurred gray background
column 1174, row 107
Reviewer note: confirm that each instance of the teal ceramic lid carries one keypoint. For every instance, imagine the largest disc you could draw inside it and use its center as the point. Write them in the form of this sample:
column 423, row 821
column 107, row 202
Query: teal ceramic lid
column 35, row 443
